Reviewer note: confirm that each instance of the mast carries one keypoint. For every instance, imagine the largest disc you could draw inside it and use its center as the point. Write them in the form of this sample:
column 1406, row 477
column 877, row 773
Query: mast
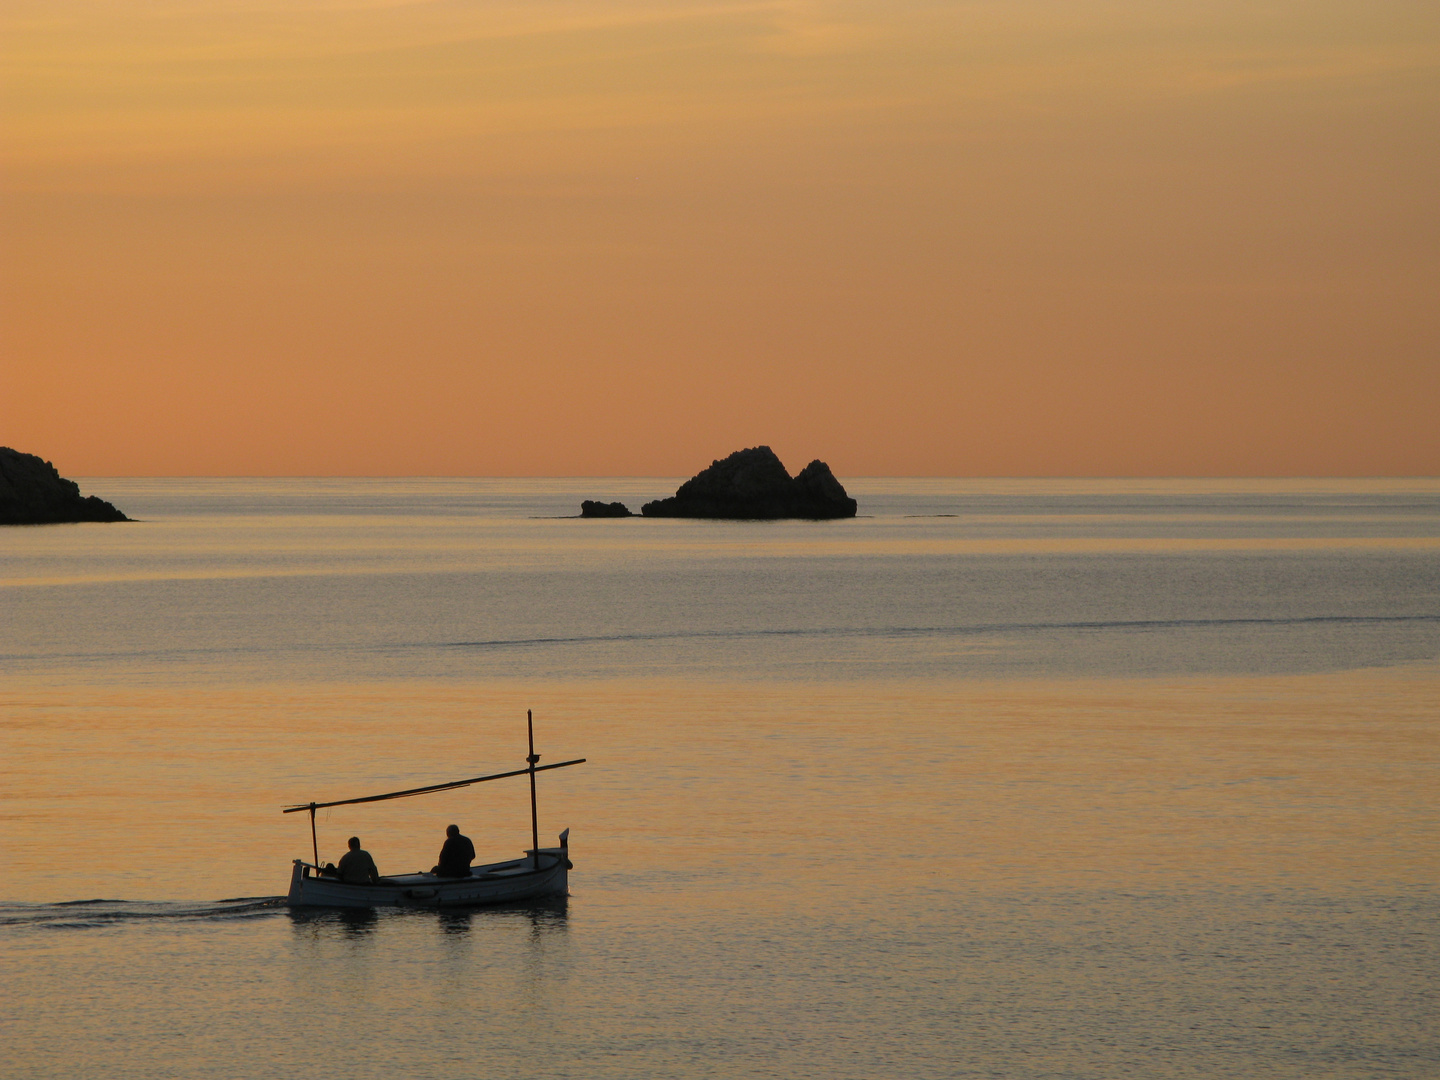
column 314, row 844
column 534, row 814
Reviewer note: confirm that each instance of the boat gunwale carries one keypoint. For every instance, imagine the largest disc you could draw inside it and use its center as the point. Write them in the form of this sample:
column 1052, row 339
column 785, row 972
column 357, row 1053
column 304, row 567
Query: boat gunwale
column 430, row 880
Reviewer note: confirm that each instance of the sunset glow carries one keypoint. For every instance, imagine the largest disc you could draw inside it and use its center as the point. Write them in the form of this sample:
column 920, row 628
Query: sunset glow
column 337, row 237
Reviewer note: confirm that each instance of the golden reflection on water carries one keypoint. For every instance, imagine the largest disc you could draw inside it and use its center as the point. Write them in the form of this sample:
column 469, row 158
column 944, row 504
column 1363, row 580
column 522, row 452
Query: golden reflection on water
column 176, row 794
column 345, row 556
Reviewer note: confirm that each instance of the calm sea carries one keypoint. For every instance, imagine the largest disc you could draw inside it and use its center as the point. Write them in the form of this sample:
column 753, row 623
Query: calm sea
column 1081, row 779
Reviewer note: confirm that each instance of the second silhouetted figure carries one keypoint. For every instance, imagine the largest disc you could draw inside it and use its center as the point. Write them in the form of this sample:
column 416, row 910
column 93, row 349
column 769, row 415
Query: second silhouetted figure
column 456, row 855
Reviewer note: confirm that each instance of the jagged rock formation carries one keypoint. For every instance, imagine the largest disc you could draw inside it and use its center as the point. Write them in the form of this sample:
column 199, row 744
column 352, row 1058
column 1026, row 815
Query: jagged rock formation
column 753, row 485
column 33, row 493
column 590, row 508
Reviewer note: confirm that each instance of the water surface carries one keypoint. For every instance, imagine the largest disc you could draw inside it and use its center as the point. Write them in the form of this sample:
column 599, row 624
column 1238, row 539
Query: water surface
column 1012, row 779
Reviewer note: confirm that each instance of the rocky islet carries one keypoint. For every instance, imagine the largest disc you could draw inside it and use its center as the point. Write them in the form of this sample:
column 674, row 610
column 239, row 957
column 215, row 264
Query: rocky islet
column 592, row 509
column 32, row 492
column 753, row 485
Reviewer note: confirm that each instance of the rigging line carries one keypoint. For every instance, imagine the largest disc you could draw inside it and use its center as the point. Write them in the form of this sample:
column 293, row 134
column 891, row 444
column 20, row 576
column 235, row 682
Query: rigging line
column 423, row 790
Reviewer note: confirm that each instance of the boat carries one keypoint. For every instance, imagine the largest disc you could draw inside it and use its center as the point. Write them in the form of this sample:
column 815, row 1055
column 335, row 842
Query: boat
column 540, row 872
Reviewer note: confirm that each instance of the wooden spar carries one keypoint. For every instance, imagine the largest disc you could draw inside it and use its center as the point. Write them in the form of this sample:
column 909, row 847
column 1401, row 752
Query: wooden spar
column 534, row 815
column 314, row 843
column 532, row 769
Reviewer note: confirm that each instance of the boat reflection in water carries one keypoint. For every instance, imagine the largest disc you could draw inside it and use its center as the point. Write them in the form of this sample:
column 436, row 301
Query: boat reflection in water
column 545, row 916
column 542, row 872
column 350, row 922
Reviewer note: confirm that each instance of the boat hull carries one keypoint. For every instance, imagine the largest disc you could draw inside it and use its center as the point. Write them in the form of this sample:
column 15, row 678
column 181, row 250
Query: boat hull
column 496, row 883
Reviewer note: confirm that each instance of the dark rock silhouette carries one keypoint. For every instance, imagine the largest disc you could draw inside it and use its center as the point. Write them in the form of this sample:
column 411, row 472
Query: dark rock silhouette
column 33, row 493
column 590, row 508
column 753, row 485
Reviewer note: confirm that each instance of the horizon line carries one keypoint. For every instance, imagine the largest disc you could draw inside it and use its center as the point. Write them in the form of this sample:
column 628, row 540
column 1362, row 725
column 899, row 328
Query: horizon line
column 662, row 476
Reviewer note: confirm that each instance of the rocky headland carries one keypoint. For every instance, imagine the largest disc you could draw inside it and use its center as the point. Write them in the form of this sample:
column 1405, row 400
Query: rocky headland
column 33, row 493
column 752, row 485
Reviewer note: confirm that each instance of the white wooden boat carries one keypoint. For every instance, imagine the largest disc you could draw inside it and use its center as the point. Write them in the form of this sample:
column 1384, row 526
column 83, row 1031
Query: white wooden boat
column 494, row 883
column 541, row 872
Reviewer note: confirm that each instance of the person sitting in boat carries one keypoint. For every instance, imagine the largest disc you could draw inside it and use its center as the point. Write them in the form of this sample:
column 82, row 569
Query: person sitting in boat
column 356, row 866
column 456, row 855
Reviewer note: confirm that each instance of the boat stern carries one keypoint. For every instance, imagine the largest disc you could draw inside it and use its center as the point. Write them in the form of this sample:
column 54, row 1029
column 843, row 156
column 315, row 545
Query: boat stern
column 557, row 872
column 297, row 888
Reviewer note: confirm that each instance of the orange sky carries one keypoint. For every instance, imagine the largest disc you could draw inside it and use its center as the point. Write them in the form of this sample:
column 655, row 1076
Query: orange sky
column 1011, row 237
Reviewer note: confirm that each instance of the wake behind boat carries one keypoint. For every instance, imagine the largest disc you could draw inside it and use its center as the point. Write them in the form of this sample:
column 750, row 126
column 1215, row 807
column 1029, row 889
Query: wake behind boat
column 542, row 871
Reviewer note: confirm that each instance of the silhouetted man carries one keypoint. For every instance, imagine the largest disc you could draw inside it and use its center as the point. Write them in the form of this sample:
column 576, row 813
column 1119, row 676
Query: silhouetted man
column 456, row 855
column 356, row 865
